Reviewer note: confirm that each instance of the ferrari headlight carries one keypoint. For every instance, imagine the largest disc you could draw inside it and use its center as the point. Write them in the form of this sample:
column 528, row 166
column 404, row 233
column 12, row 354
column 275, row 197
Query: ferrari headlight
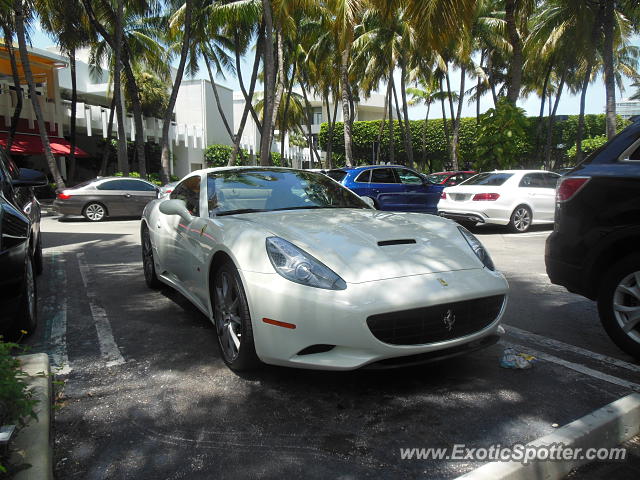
column 298, row 266
column 477, row 248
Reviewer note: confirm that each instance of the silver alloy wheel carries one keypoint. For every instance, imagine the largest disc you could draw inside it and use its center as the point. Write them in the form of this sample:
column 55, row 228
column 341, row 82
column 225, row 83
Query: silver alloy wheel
column 227, row 316
column 30, row 291
column 94, row 212
column 521, row 219
column 626, row 305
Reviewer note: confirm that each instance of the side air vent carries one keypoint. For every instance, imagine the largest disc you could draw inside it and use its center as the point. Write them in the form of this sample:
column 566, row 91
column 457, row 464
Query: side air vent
column 402, row 241
column 320, row 348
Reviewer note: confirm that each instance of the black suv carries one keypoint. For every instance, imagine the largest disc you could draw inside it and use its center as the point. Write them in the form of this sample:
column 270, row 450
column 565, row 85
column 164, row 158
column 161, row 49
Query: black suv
column 594, row 249
column 20, row 246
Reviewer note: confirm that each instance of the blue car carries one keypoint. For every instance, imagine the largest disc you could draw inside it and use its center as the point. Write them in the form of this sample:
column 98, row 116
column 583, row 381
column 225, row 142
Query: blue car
column 391, row 187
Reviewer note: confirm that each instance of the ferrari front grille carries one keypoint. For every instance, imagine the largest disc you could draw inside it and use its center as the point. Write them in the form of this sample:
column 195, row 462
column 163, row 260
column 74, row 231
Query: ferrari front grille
column 436, row 323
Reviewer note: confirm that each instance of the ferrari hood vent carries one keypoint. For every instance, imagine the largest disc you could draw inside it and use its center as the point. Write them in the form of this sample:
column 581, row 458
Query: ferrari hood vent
column 402, row 241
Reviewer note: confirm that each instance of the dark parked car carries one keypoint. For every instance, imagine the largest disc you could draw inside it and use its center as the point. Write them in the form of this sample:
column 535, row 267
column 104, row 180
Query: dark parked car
column 20, row 246
column 106, row 197
column 391, row 187
column 594, row 249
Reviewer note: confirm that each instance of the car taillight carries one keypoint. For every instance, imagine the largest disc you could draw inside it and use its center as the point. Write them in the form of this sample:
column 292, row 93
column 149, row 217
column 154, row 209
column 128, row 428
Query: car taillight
column 443, row 196
column 63, row 196
column 168, row 190
column 486, row 196
column 568, row 187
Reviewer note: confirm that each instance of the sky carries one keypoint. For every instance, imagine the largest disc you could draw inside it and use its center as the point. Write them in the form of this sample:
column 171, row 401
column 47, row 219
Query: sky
column 569, row 104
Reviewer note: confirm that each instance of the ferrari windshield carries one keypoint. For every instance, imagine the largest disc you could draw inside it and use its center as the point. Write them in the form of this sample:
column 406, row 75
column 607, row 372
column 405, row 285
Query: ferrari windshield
column 265, row 189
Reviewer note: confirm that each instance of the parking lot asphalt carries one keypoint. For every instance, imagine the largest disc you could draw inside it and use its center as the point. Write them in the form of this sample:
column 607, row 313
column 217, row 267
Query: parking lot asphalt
column 146, row 394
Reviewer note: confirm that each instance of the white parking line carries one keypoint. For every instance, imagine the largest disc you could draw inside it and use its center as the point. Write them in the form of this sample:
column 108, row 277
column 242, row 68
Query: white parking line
column 108, row 346
column 58, row 321
column 575, row 366
column 556, row 344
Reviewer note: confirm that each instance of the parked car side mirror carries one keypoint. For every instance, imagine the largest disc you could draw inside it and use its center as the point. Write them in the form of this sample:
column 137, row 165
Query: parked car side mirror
column 176, row 207
column 30, row 178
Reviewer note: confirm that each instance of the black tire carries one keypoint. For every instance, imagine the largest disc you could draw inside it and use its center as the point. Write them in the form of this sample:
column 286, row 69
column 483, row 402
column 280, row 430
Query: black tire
column 232, row 319
column 618, row 287
column 38, row 263
column 27, row 318
column 468, row 225
column 148, row 265
column 94, row 212
column 521, row 219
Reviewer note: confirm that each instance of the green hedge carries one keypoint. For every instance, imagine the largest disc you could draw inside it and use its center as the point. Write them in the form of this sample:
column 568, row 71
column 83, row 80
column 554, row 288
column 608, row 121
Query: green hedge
column 365, row 133
column 218, row 156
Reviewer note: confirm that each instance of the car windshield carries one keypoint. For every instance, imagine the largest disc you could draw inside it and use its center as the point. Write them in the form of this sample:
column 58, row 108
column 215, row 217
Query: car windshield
column 259, row 190
column 493, row 179
column 437, row 178
column 337, row 175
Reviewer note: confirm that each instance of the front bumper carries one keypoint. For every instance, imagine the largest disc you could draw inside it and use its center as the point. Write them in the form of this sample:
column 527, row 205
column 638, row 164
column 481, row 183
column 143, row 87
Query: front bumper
column 338, row 319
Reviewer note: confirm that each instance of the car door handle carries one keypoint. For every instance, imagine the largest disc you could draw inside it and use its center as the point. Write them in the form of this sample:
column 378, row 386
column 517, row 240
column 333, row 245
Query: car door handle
column 375, row 190
column 127, row 195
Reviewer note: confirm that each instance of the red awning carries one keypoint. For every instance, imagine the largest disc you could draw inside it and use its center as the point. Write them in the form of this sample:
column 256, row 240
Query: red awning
column 26, row 144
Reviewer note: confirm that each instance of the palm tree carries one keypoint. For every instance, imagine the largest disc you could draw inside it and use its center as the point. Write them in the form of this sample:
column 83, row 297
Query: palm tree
column 184, row 39
column 427, row 95
column 22, row 12
column 71, row 32
column 7, row 25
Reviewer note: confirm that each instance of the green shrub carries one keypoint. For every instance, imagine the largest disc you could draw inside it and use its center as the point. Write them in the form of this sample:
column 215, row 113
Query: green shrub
column 588, row 145
column 219, row 155
column 16, row 401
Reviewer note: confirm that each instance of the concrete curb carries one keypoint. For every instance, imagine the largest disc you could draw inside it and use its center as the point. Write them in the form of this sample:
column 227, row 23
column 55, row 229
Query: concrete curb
column 606, row 427
column 32, row 445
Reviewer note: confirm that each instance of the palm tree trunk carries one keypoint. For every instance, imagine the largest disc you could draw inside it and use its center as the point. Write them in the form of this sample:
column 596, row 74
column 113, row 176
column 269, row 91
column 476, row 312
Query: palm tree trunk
column 123, row 158
column 444, row 120
column 136, row 110
column 269, row 85
column 609, row 74
column 166, row 121
column 72, row 120
column 425, row 161
column 107, row 151
column 541, row 114
column 346, row 114
column 248, row 106
column 392, row 137
column 26, row 67
column 248, row 96
column 456, row 123
column 15, row 118
column 279, row 86
column 407, row 139
column 399, row 117
column 547, row 148
column 285, row 124
column 217, row 97
column 331, row 122
column 307, row 106
column 583, row 98
column 382, row 122
column 515, row 67
column 492, row 84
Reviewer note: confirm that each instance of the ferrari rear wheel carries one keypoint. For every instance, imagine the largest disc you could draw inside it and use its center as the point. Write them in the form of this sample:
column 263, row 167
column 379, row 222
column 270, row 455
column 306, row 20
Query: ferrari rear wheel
column 148, row 264
column 232, row 319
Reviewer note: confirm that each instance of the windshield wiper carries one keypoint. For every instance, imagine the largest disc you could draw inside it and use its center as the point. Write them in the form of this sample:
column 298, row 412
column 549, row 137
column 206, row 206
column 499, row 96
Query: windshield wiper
column 241, row 210
column 310, row 207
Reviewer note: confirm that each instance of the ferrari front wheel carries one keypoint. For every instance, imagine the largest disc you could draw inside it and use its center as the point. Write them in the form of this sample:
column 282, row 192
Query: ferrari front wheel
column 232, row 319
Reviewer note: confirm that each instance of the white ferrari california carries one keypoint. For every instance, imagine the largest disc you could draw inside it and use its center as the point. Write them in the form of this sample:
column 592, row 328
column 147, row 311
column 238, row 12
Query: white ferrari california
column 294, row 269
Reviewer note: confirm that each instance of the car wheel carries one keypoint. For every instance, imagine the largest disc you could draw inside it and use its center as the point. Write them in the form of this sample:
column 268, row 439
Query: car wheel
column 520, row 219
column 232, row 319
column 28, row 309
column 94, row 212
column 147, row 261
column 619, row 304
column 38, row 262
column 468, row 225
